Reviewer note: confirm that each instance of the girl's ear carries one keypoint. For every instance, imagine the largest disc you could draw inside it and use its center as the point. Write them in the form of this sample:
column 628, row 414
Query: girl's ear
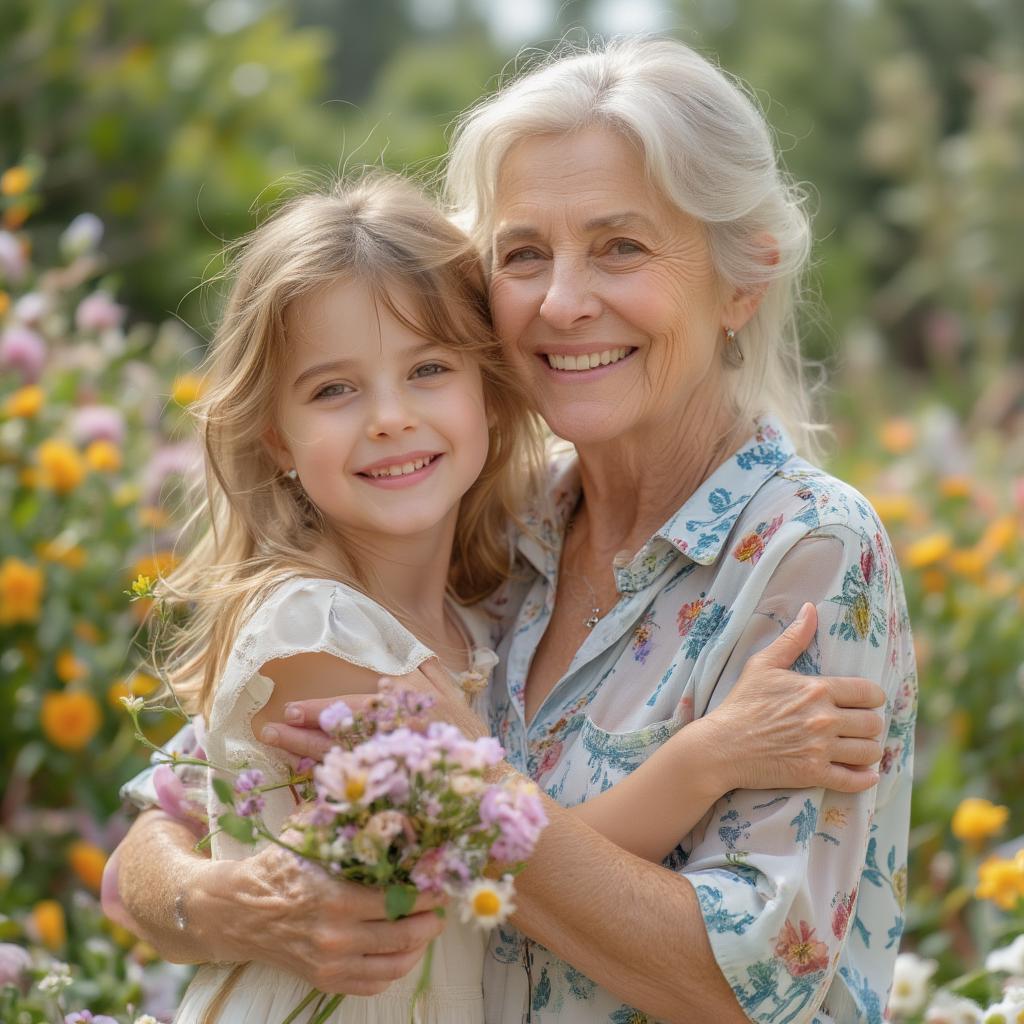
column 278, row 450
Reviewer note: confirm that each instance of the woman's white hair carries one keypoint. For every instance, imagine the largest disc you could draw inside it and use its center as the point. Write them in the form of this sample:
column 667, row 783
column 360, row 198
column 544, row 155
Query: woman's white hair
column 707, row 147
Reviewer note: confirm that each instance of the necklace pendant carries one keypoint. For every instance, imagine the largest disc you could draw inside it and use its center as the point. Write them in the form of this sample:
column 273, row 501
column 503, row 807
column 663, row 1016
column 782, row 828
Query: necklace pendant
column 593, row 619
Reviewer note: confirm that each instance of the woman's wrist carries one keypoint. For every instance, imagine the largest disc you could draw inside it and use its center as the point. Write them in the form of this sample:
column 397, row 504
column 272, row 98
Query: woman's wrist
column 207, row 911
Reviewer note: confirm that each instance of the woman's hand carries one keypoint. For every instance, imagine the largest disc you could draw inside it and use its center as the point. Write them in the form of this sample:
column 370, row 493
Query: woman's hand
column 300, row 734
column 334, row 934
column 779, row 729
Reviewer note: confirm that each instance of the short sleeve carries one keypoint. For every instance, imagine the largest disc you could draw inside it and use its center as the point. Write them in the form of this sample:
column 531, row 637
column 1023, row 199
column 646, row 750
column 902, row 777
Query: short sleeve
column 802, row 891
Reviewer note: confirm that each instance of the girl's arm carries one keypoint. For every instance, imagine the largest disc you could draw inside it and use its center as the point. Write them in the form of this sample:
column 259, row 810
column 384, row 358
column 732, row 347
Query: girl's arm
column 778, row 729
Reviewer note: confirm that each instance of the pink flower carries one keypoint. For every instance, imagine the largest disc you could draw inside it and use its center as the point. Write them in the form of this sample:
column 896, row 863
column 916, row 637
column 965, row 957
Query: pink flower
column 14, row 963
column 336, row 718
column 550, row 759
column 517, row 811
column 31, row 308
column 98, row 423
column 184, row 459
column 86, row 1017
column 842, row 908
column 98, row 312
column 23, row 350
column 13, row 264
column 175, row 800
column 802, row 952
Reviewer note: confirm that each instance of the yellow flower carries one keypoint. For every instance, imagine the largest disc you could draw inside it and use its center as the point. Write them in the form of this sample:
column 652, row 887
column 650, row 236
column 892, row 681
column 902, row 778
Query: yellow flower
column 47, row 923
column 143, row 684
column 1001, row 881
column 62, row 466
column 103, row 456
column 87, row 862
column 999, row 535
column 15, row 216
column 934, row 581
column 15, row 181
column 70, row 719
column 897, row 436
column 976, row 819
column 29, row 477
column 5, row 303
column 893, row 508
column 160, row 563
column 141, row 585
column 955, row 486
column 929, row 550
column 69, row 668
column 21, row 590
column 969, row 562
column 126, row 494
column 25, row 402
column 187, row 388
column 140, row 685
column 118, row 688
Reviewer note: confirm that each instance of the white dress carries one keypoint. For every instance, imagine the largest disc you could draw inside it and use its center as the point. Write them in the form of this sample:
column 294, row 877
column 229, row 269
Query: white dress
column 320, row 615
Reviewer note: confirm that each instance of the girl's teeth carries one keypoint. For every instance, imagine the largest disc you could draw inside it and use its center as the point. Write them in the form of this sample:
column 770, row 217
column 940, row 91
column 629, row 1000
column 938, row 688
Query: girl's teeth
column 400, row 470
column 588, row 361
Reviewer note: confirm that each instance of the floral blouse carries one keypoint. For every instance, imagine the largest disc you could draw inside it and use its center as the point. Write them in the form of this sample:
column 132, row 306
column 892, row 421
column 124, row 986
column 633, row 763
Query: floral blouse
column 802, row 891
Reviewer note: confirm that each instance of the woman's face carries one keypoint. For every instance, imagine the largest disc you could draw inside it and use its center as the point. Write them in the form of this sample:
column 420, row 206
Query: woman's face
column 602, row 292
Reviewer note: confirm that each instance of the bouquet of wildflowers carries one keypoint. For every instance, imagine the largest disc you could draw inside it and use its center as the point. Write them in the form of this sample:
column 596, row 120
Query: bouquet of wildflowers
column 402, row 804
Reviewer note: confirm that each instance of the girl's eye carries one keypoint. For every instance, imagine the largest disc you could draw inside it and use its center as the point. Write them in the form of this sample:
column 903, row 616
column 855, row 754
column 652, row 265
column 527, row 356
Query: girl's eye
column 429, row 370
column 332, row 391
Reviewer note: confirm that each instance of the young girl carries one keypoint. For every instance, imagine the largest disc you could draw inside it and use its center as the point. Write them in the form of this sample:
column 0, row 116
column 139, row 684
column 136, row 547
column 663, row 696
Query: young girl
column 367, row 451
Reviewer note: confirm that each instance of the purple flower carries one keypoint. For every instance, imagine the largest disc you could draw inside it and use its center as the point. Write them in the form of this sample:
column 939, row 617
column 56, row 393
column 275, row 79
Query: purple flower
column 518, row 813
column 305, row 766
column 98, row 312
column 182, row 459
column 14, row 962
column 336, row 718
column 86, row 1017
column 248, row 780
column 251, row 805
column 23, row 350
column 439, row 868
column 98, row 423
column 13, row 264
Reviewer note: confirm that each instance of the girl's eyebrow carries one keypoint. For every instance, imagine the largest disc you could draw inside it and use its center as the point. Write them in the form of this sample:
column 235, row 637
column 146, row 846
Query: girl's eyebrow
column 341, row 365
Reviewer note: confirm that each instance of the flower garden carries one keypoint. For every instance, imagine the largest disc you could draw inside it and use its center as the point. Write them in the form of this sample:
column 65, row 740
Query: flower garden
column 95, row 448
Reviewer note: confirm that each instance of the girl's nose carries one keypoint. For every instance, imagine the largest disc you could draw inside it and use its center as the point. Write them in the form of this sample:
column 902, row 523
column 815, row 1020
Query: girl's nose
column 570, row 299
column 390, row 414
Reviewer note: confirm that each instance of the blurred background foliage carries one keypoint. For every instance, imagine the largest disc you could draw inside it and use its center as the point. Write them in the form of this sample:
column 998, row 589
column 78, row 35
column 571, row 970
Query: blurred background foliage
column 175, row 123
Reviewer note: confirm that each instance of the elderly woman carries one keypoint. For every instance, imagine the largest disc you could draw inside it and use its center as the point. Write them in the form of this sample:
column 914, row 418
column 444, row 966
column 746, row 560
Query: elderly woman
column 646, row 255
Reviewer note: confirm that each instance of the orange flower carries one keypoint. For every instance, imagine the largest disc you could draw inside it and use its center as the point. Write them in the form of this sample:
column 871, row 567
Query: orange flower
column 63, row 552
column 749, row 549
column 999, row 535
column 21, row 590
column 61, row 465
column 977, row 819
column 48, row 926
column 70, row 719
column 153, row 517
column 955, row 487
column 893, row 508
column 69, row 668
column 15, row 216
column 934, row 581
column 5, row 303
column 897, row 436
column 25, row 402
column 15, row 181
column 140, row 685
column 87, row 631
column 801, row 950
column 87, row 861
column 103, row 456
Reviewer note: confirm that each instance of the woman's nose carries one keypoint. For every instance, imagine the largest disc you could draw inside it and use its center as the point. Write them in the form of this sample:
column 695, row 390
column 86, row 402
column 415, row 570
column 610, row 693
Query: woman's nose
column 570, row 299
column 390, row 414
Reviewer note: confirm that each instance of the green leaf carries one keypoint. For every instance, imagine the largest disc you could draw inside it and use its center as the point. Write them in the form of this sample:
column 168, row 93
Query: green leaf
column 224, row 792
column 238, row 827
column 399, row 900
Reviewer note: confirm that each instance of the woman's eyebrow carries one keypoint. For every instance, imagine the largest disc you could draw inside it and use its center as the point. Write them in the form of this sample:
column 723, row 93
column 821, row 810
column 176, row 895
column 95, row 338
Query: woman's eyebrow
column 526, row 232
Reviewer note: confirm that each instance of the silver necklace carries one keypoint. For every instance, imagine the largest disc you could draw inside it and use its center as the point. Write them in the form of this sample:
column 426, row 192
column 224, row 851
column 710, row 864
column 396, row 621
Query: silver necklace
column 595, row 612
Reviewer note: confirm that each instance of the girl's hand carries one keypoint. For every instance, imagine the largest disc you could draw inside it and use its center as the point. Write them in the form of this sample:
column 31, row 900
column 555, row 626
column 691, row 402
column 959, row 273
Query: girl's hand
column 779, row 729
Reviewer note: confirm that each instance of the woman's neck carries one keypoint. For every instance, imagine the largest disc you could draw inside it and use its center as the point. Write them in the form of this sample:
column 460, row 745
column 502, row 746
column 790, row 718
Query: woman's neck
column 633, row 484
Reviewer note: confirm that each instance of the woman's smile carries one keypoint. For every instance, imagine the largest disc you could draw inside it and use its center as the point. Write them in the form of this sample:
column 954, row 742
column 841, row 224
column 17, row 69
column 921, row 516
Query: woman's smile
column 586, row 364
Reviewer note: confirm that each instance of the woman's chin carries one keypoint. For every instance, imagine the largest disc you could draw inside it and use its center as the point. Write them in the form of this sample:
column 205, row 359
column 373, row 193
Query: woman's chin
column 589, row 423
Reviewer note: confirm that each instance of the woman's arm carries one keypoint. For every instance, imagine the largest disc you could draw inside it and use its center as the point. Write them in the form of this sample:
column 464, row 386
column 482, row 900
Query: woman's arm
column 761, row 737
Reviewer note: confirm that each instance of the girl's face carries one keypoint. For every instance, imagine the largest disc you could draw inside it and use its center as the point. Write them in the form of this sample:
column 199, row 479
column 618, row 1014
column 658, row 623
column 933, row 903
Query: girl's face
column 386, row 429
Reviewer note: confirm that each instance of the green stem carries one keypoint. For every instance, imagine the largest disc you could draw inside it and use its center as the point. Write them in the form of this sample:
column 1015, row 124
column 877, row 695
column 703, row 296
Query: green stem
column 424, row 981
column 313, row 993
column 332, row 1005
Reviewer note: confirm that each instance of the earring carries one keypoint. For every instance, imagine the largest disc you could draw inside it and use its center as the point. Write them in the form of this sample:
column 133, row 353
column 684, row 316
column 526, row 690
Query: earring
column 292, row 474
column 732, row 352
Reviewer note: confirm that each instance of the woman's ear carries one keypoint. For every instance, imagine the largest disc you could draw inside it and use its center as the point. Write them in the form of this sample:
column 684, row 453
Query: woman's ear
column 741, row 305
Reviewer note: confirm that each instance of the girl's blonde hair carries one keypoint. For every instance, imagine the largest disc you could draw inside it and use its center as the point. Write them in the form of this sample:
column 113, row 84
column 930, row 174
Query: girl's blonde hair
column 707, row 148
column 255, row 526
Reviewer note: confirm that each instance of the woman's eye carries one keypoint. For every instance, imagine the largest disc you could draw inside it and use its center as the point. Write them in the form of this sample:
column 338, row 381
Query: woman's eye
column 522, row 256
column 625, row 247
column 332, row 391
column 429, row 370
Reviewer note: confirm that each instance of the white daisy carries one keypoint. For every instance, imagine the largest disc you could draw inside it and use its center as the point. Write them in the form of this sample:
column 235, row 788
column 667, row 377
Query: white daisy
column 488, row 902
